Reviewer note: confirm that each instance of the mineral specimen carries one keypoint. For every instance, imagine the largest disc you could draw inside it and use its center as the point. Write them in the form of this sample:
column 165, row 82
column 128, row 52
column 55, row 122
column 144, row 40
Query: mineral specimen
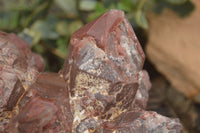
column 108, row 88
column 101, row 89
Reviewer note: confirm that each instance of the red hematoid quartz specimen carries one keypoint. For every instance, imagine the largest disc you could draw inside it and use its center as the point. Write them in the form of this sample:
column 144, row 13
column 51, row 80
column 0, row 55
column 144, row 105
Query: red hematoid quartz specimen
column 108, row 88
column 101, row 89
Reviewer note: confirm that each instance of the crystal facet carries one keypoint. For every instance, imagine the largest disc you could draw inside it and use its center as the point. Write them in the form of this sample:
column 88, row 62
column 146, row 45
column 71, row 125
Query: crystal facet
column 44, row 107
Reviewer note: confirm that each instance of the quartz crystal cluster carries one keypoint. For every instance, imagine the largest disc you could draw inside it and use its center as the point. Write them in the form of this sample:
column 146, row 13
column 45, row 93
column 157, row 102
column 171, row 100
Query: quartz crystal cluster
column 101, row 89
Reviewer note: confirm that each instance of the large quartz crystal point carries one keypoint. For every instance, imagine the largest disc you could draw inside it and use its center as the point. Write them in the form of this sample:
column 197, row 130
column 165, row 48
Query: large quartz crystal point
column 103, row 71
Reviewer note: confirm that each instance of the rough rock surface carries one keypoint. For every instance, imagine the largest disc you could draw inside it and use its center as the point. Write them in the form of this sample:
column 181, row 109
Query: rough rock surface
column 174, row 49
column 108, row 88
column 30, row 102
column 18, row 70
column 44, row 108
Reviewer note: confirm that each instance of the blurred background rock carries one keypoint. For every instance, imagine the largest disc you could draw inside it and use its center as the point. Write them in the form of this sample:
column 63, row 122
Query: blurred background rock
column 168, row 31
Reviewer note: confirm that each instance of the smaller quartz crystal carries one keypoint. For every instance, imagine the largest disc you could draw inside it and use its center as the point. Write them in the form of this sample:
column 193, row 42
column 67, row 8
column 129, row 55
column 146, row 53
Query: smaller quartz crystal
column 44, row 108
column 19, row 68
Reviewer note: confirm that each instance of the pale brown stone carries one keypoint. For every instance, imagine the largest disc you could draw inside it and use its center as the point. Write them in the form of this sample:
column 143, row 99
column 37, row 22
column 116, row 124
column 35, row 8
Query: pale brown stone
column 174, row 48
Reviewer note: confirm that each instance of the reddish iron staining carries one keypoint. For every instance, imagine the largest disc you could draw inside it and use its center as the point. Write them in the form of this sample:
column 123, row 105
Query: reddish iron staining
column 101, row 89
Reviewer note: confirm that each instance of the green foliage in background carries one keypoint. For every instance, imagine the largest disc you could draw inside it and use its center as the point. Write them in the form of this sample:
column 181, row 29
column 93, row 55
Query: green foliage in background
column 48, row 24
